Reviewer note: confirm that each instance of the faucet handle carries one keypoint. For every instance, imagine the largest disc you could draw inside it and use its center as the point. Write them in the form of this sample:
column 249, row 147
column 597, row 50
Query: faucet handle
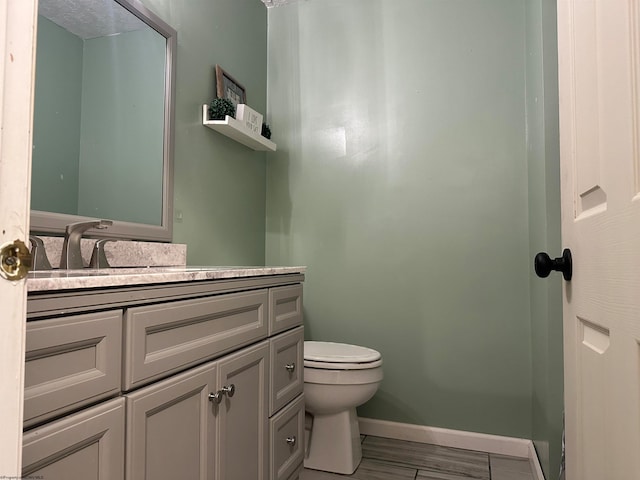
column 98, row 255
column 39, row 254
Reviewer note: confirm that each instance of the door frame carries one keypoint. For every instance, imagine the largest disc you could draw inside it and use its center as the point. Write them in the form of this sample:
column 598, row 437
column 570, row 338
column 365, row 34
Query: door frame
column 17, row 70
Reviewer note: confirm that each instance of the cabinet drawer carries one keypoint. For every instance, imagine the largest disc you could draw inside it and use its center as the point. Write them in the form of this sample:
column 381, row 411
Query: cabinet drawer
column 88, row 444
column 168, row 337
column 287, row 440
column 285, row 308
column 71, row 362
column 287, row 367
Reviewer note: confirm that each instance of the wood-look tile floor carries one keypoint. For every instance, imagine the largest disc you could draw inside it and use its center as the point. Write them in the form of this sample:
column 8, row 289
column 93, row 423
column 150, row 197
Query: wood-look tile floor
column 388, row 459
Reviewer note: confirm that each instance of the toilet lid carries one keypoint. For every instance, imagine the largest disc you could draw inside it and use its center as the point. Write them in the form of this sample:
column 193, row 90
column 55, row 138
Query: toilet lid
column 341, row 353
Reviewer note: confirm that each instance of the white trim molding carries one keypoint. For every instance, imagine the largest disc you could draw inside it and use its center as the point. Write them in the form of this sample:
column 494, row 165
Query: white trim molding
column 515, row 447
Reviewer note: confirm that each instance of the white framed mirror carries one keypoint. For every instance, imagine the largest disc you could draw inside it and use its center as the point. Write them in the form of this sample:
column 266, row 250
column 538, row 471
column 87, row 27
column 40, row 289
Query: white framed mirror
column 103, row 118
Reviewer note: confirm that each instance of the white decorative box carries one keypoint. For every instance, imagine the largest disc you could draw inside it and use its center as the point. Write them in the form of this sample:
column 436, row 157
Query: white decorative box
column 249, row 118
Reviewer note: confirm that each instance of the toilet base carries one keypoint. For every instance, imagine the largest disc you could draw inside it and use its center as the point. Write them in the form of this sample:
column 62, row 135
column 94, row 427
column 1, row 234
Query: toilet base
column 334, row 443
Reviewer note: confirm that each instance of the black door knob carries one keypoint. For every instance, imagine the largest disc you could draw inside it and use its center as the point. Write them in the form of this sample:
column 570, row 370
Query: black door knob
column 543, row 264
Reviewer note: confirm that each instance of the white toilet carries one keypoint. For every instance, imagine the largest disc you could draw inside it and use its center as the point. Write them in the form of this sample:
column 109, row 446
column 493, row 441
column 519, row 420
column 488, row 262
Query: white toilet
column 337, row 379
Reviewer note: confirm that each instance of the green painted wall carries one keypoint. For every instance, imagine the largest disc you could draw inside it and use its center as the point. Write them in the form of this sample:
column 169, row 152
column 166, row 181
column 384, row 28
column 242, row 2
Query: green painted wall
column 405, row 178
column 56, row 122
column 401, row 181
column 219, row 184
column 544, row 227
column 122, row 128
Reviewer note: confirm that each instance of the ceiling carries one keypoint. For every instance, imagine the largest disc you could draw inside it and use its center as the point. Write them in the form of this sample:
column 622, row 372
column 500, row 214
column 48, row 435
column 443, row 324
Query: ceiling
column 90, row 18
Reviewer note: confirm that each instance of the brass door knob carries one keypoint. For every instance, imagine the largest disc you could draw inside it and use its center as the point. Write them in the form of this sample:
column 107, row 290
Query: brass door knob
column 15, row 260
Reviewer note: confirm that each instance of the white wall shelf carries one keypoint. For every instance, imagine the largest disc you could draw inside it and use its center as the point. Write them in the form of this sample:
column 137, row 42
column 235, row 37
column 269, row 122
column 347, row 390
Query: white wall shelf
column 234, row 129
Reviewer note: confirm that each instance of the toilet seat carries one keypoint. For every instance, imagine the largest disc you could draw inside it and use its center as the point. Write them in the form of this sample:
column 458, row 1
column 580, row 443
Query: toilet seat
column 342, row 366
column 340, row 356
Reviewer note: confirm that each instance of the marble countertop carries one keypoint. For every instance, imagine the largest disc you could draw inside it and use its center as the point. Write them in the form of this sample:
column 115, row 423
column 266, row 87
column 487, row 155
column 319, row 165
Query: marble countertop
column 114, row 277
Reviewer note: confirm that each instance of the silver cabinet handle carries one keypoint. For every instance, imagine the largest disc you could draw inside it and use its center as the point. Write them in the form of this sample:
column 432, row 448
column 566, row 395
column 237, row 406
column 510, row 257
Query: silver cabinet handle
column 229, row 391
column 290, row 367
column 291, row 441
column 216, row 397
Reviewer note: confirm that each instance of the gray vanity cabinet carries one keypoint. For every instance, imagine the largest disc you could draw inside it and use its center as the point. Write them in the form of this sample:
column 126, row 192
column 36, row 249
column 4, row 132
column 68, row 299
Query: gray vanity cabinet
column 207, row 378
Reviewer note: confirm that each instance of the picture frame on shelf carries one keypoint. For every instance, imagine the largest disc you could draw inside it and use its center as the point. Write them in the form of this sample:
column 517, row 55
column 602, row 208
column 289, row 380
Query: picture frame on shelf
column 229, row 88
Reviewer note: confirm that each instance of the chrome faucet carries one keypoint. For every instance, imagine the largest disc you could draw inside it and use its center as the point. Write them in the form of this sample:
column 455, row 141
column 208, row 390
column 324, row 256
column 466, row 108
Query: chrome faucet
column 71, row 257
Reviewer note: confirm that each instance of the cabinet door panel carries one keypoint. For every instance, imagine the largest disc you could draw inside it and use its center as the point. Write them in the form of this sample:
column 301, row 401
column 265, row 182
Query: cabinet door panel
column 243, row 418
column 287, row 368
column 171, row 428
column 88, row 444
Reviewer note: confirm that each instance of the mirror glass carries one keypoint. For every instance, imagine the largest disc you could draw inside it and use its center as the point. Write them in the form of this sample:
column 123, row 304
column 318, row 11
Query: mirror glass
column 102, row 134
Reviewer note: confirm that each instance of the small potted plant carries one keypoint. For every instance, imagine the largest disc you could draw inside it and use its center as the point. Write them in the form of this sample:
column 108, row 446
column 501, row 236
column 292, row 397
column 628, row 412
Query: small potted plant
column 220, row 108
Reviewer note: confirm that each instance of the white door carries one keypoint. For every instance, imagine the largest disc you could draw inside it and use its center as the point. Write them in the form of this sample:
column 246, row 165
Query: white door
column 17, row 57
column 599, row 74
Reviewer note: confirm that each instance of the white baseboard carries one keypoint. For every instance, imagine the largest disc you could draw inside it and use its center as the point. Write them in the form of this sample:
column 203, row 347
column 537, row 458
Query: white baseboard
column 515, row 447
